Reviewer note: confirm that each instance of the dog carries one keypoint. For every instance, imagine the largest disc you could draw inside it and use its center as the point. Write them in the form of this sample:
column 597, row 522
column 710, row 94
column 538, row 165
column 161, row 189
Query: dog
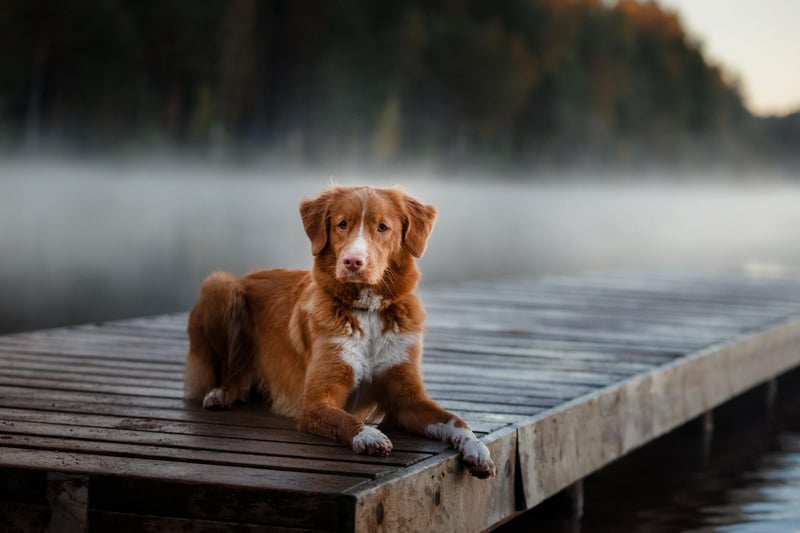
column 336, row 348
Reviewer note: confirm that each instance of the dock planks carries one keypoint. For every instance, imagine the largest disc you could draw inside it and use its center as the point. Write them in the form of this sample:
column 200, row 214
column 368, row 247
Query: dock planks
column 560, row 375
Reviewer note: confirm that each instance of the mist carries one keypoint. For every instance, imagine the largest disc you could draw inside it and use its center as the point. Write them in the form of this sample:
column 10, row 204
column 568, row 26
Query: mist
column 87, row 241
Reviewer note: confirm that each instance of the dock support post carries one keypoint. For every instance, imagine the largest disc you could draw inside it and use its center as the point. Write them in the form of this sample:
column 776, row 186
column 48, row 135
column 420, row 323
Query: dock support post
column 706, row 422
column 573, row 496
column 563, row 510
column 771, row 397
column 566, row 504
column 68, row 497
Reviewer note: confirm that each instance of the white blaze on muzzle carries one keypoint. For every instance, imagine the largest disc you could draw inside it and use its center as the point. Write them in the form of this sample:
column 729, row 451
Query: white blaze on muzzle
column 358, row 247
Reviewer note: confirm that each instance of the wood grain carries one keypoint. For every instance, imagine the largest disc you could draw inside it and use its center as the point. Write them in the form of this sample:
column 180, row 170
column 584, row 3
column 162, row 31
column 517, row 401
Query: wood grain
column 560, row 375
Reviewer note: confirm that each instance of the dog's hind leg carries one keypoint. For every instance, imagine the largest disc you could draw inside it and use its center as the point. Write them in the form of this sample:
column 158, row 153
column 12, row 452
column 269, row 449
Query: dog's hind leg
column 221, row 347
column 200, row 374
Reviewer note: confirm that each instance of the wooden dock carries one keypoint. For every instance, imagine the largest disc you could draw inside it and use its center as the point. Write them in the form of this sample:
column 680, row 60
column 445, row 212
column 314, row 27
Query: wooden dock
column 560, row 376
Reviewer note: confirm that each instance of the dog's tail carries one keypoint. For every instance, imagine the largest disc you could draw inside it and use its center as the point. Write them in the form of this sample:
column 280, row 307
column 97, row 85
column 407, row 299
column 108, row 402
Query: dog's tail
column 221, row 345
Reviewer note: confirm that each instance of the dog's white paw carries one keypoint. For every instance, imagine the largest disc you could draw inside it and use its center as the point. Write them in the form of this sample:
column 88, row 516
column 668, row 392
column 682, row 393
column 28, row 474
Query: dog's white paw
column 372, row 441
column 477, row 459
column 474, row 453
column 217, row 399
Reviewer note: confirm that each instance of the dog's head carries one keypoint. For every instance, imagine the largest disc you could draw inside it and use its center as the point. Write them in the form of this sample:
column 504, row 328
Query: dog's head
column 364, row 234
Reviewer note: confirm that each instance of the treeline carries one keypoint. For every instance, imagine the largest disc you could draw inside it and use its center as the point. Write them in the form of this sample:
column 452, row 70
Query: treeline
column 527, row 81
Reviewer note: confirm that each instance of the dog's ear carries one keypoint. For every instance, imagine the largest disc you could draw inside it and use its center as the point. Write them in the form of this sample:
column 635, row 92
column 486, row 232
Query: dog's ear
column 315, row 221
column 417, row 225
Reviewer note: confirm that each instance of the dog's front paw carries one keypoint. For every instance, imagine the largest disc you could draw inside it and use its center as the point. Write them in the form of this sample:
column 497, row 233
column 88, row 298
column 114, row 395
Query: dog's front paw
column 372, row 441
column 477, row 459
column 217, row 399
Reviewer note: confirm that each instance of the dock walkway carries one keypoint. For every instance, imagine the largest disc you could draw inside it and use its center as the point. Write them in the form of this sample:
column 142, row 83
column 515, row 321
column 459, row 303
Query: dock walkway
column 560, row 376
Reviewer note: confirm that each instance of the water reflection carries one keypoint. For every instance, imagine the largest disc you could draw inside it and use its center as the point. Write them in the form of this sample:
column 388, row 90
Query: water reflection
column 766, row 498
column 750, row 482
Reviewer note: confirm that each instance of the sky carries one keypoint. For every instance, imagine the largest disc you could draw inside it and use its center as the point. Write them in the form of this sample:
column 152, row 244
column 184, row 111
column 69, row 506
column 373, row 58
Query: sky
column 757, row 42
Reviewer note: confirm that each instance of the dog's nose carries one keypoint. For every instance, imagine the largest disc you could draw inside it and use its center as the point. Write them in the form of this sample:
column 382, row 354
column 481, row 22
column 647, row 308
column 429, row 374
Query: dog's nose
column 353, row 263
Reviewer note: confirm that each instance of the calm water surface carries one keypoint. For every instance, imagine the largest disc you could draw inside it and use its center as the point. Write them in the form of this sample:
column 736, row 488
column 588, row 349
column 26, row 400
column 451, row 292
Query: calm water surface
column 95, row 241
column 750, row 483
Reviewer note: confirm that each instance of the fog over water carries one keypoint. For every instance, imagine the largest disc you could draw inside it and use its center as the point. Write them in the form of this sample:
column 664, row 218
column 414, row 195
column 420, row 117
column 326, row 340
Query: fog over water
column 93, row 241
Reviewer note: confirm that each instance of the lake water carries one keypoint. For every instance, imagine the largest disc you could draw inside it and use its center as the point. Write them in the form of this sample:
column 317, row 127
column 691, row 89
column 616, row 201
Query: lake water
column 94, row 241
column 748, row 483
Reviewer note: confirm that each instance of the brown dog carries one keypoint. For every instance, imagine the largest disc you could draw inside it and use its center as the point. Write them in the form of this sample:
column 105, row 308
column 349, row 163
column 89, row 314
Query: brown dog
column 335, row 345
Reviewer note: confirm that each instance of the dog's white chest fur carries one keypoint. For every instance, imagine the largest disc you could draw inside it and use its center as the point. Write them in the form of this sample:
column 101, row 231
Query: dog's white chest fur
column 370, row 351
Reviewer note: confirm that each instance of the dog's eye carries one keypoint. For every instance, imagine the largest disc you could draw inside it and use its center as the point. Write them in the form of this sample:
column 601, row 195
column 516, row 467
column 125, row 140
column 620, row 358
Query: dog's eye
column 382, row 227
column 342, row 224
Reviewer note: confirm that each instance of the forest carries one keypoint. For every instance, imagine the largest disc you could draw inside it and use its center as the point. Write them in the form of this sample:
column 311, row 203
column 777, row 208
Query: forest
column 518, row 82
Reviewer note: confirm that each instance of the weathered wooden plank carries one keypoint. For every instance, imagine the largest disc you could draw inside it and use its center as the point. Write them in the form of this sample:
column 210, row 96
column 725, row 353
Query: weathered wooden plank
column 247, row 416
column 113, row 398
column 245, row 419
column 251, row 415
column 184, row 472
column 155, row 425
column 201, row 442
column 85, row 386
column 64, row 377
column 444, row 390
column 226, row 425
column 718, row 313
column 663, row 342
column 569, row 372
column 439, row 495
column 78, row 335
column 523, row 344
column 434, row 368
column 496, row 400
column 91, row 367
column 500, row 358
column 124, row 378
column 173, row 357
column 139, row 523
column 467, row 406
column 465, row 378
column 565, row 444
column 572, row 345
column 220, row 458
column 537, row 320
column 538, row 294
column 304, row 509
column 152, row 330
column 554, row 309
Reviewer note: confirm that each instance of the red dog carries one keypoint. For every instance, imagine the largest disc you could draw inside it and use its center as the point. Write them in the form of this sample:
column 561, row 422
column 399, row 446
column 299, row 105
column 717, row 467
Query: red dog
column 335, row 345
